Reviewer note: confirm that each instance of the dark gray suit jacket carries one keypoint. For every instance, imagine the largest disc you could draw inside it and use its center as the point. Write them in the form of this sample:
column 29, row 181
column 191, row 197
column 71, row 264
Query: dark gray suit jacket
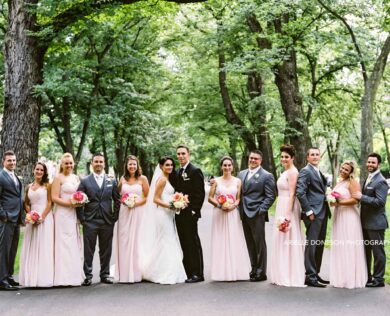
column 311, row 192
column 373, row 202
column 103, row 202
column 11, row 201
column 257, row 194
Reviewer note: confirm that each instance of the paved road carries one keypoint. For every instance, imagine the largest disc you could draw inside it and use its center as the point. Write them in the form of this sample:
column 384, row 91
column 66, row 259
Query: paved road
column 206, row 298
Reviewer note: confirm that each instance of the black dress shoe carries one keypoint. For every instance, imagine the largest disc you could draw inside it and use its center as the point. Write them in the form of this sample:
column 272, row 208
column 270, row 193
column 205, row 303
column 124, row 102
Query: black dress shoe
column 258, row 278
column 7, row 287
column 12, row 282
column 252, row 274
column 106, row 281
column 321, row 280
column 314, row 284
column 195, row 279
column 375, row 283
column 87, row 282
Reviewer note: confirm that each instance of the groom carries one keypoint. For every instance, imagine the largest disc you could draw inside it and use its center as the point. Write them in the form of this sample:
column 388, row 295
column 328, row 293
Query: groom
column 189, row 180
column 374, row 221
column 311, row 193
column 11, row 215
column 257, row 196
column 98, row 218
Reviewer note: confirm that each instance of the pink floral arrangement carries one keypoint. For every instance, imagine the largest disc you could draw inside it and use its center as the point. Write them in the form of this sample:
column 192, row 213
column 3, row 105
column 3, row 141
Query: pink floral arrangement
column 179, row 201
column 79, row 198
column 283, row 224
column 333, row 196
column 33, row 217
column 226, row 200
column 129, row 199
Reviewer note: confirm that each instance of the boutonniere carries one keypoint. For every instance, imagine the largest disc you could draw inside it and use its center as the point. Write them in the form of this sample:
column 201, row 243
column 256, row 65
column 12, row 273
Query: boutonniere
column 185, row 177
column 256, row 175
column 109, row 179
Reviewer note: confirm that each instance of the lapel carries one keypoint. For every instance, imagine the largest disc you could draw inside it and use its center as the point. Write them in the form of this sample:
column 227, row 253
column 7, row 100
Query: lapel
column 318, row 176
column 256, row 175
column 11, row 181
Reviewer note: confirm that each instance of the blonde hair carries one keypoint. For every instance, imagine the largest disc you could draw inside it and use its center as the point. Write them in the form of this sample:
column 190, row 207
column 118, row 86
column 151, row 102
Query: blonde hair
column 353, row 166
column 64, row 156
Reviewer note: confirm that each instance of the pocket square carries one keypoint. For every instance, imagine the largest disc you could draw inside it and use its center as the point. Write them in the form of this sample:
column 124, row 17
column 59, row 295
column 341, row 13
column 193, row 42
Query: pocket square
column 109, row 185
column 369, row 188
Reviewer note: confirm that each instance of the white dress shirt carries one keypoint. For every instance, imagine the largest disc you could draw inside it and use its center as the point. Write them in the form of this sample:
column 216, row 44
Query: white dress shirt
column 99, row 179
column 252, row 172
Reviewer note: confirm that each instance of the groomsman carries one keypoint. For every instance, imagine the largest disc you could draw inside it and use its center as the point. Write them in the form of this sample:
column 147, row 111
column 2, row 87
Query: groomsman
column 374, row 221
column 311, row 193
column 257, row 196
column 98, row 217
column 11, row 215
column 189, row 180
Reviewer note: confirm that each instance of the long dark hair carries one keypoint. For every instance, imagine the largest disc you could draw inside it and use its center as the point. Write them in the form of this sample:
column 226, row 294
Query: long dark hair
column 138, row 171
column 45, row 177
column 172, row 176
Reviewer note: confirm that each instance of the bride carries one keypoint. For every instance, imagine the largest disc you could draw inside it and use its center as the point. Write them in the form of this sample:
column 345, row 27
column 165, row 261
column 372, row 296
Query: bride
column 161, row 257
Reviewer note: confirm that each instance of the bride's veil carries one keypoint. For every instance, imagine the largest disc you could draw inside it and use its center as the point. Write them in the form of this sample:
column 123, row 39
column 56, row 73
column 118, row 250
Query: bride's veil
column 149, row 223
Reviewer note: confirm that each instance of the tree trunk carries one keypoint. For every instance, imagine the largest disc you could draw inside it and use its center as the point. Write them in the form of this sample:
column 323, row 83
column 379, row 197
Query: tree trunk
column 297, row 132
column 367, row 105
column 255, row 90
column 23, row 70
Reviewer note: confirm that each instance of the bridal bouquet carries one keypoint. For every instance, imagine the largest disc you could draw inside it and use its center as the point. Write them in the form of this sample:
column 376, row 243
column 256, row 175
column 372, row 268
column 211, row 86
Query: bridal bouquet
column 32, row 217
column 332, row 196
column 283, row 224
column 79, row 198
column 129, row 199
column 178, row 202
column 226, row 200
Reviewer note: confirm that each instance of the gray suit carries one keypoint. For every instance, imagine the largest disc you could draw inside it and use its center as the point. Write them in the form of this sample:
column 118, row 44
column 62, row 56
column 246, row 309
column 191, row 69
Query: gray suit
column 11, row 215
column 257, row 196
column 98, row 217
column 374, row 223
column 311, row 193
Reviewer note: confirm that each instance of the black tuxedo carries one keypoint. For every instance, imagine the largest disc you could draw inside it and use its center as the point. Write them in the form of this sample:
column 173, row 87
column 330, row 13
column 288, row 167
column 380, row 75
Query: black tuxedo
column 311, row 193
column 11, row 215
column 98, row 217
column 374, row 224
column 190, row 181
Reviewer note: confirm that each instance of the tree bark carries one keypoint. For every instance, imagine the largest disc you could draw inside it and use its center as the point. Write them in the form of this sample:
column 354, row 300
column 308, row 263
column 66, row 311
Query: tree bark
column 255, row 90
column 367, row 105
column 23, row 70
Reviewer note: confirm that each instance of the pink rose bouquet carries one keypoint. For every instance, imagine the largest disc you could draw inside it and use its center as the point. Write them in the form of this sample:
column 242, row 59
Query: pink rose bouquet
column 79, row 198
column 179, row 201
column 129, row 199
column 33, row 217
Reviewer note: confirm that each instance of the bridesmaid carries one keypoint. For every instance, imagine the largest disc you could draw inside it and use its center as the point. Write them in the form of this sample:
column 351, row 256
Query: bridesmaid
column 126, row 232
column 36, row 258
column 287, row 252
column 229, row 254
column 348, row 267
column 68, row 248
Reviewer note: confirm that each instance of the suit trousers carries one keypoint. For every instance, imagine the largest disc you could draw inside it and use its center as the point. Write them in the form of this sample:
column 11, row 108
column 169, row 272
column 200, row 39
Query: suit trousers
column 92, row 230
column 315, row 242
column 9, row 240
column 187, row 229
column 374, row 241
column 254, row 231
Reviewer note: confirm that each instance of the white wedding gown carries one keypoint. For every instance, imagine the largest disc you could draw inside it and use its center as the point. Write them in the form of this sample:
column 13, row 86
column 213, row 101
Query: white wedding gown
column 165, row 261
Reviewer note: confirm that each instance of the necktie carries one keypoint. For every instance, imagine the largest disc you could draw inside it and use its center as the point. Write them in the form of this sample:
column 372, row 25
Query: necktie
column 181, row 170
column 14, row 178
column 369, row 178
